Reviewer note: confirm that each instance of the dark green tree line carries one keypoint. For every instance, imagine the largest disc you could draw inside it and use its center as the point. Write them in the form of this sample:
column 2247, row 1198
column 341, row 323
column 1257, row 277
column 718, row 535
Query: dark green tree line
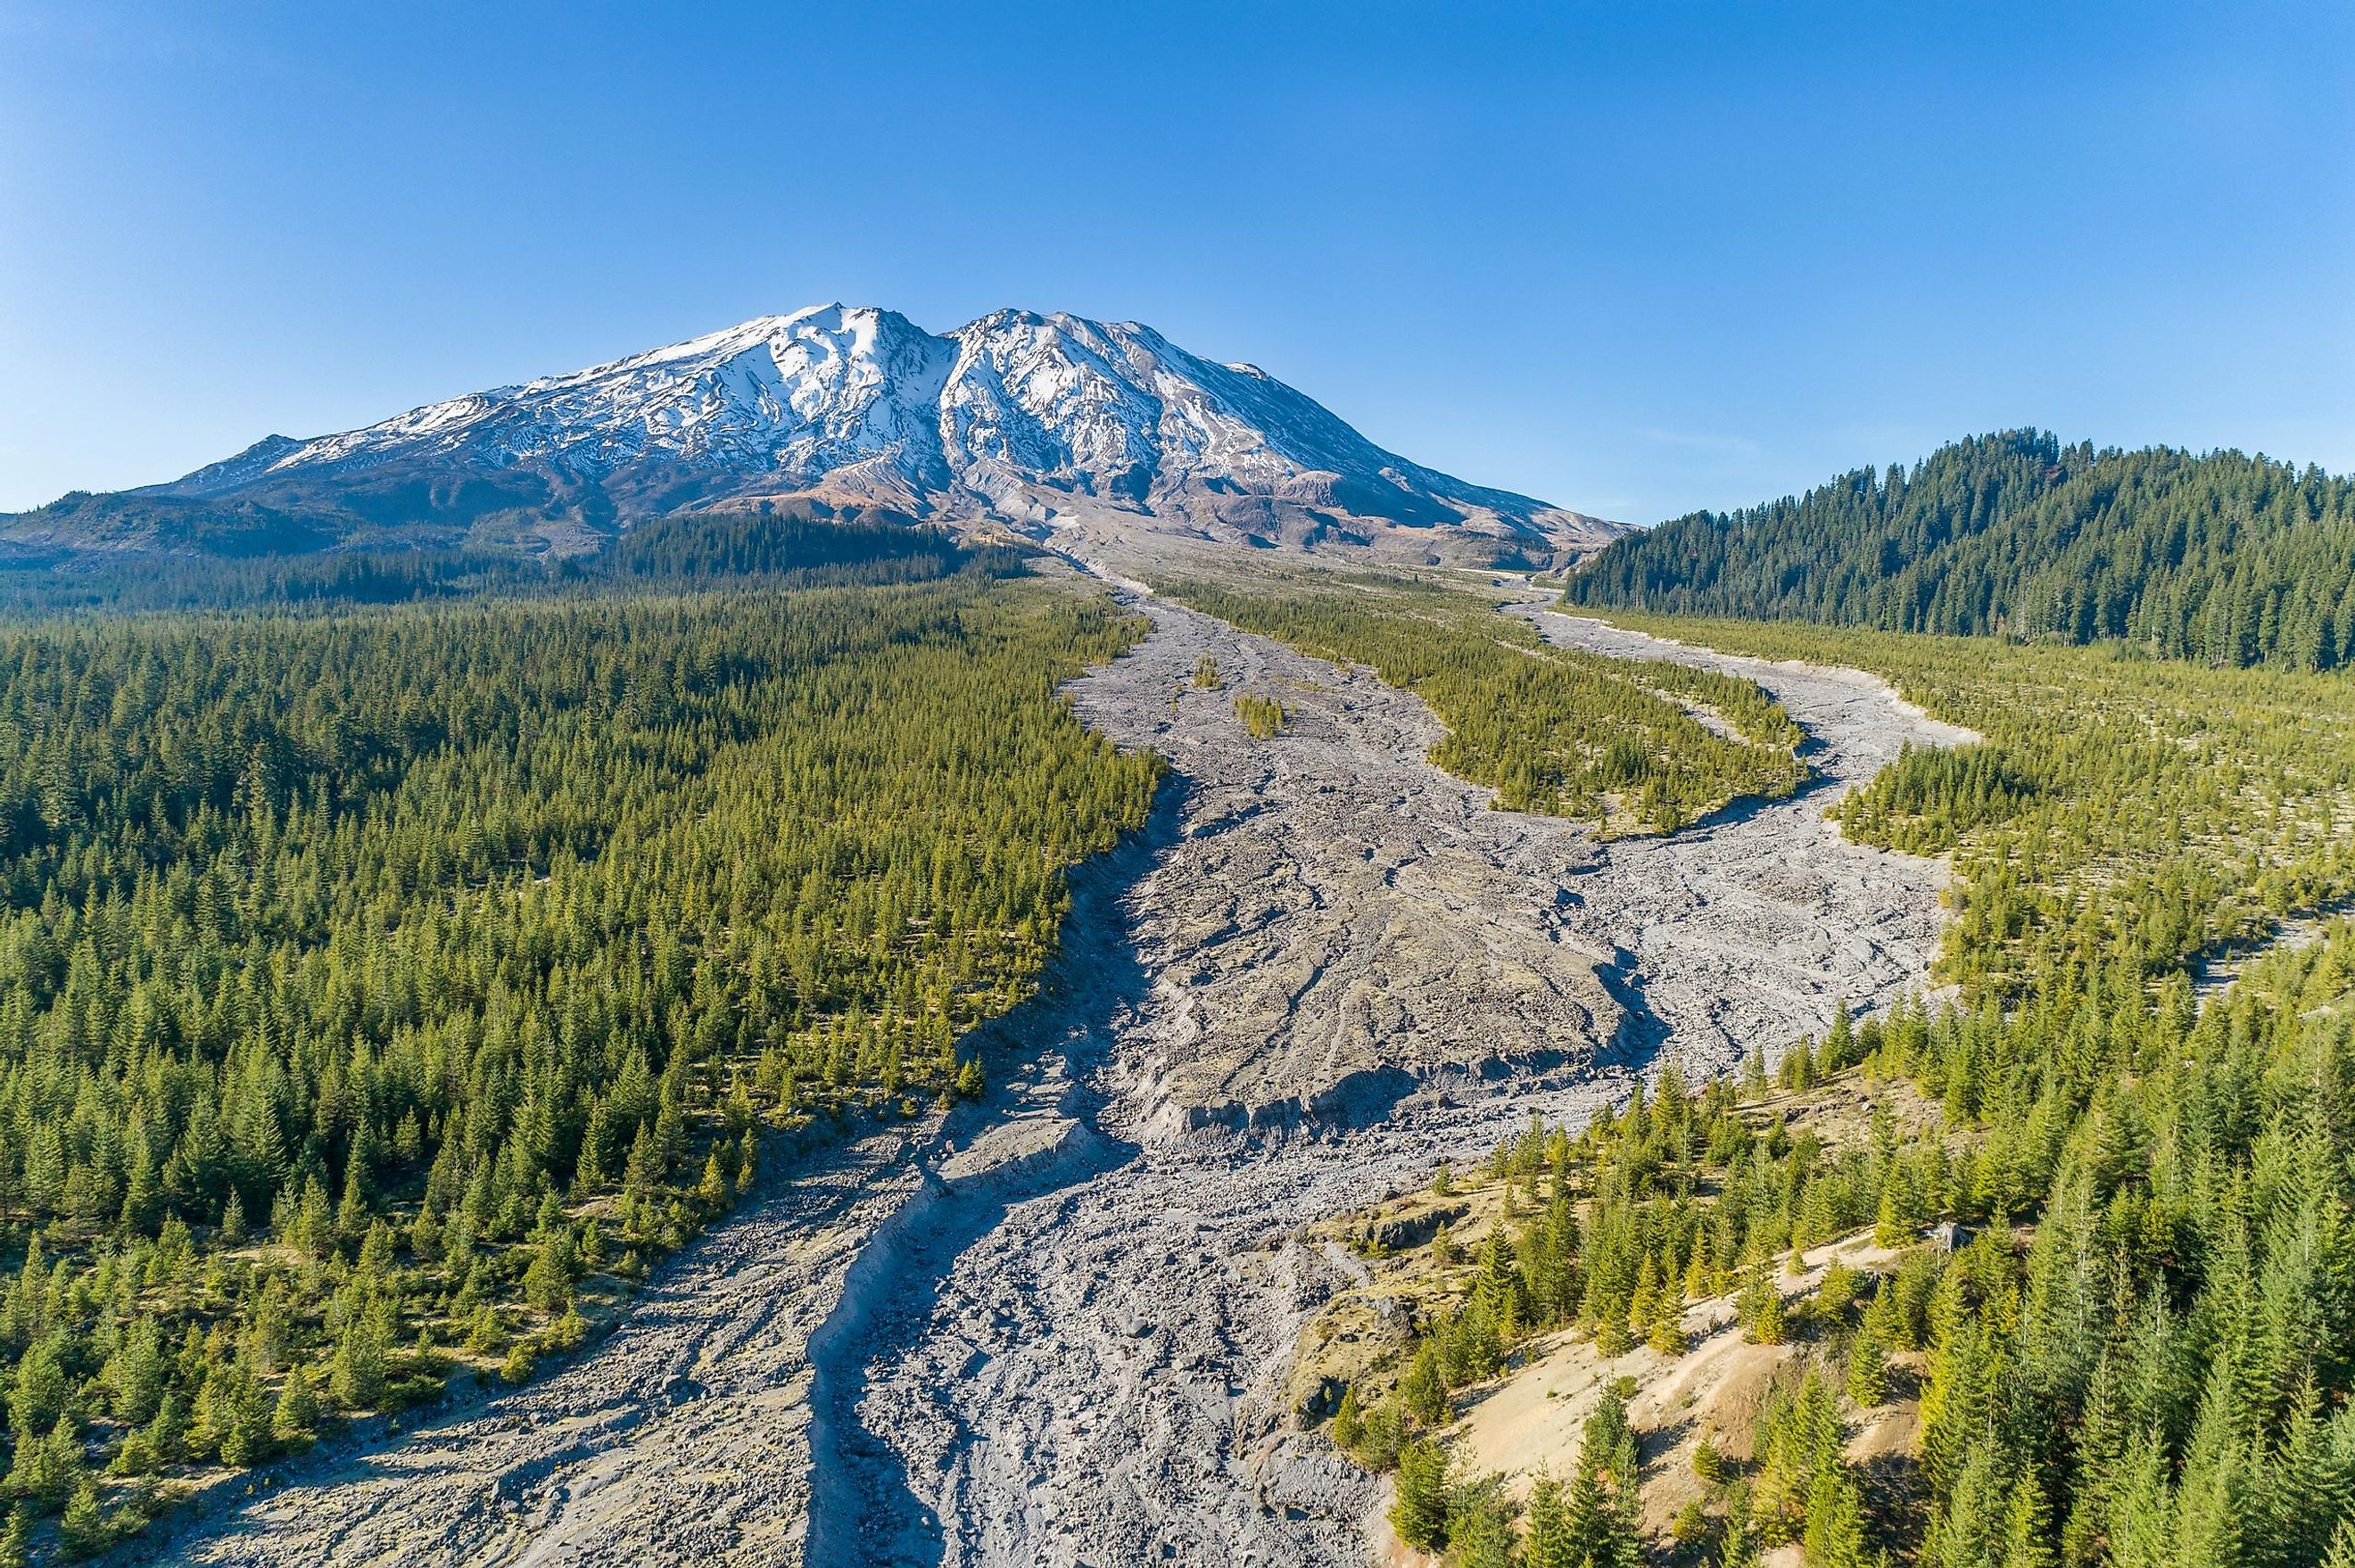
column 2223, row 558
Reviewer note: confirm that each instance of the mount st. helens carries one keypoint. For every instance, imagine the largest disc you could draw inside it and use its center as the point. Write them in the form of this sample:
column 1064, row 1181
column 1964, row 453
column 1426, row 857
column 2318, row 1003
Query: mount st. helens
column 1037, row 425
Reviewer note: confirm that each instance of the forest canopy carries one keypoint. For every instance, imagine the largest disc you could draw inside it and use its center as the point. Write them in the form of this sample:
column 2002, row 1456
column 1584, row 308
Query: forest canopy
column 378, row 986
column 779, row 550
column 2223, row 558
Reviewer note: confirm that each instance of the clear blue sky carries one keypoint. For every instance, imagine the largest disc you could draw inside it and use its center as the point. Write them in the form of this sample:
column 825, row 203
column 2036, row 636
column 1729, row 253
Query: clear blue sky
column 1631, row 258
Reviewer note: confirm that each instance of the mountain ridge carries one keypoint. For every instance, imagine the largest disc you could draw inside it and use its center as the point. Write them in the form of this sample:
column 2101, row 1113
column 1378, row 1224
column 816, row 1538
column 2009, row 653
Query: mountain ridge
column 1021, row 422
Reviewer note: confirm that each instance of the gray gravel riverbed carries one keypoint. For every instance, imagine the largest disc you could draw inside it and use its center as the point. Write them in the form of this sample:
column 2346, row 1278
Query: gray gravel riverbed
column 1326, row 966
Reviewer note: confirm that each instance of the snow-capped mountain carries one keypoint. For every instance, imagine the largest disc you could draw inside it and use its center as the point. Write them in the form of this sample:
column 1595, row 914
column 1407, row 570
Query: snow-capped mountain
column 1018, row 421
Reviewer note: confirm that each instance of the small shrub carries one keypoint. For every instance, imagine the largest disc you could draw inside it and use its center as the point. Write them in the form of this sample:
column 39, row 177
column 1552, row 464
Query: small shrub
column 1262, row 717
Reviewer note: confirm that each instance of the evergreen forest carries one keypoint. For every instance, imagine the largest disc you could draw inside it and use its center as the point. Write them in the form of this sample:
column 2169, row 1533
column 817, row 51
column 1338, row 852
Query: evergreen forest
column 2222, row 560
column 384, row 987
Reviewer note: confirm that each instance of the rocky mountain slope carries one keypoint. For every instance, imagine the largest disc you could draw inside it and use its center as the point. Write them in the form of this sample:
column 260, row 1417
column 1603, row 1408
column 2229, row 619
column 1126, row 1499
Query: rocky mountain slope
column 1034, row 423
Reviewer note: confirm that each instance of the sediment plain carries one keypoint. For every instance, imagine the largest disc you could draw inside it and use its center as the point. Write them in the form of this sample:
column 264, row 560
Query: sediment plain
column 1324, row 965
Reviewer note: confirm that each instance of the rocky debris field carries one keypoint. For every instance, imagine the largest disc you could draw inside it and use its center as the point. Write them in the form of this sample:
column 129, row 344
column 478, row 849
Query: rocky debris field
column 1326, row 966
column 1734, row 929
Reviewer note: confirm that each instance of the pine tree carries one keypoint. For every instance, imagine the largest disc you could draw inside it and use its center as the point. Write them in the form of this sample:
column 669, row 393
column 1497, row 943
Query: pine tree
column 1423, row 1392
column 314, row 1221
column 2028, row 1527
column 519, row 1364
column 244, row 1416
column 1668, row 1332
column 139, row 1373
column 2142, row 1513
column 712, row 1190
column 1547, row 1541
column 352, row 1213
column 1479, row 1530
column 1839, row 1045
column 297, row 1415
column 1599, row 1517
column 1740, row 1549
column 548, row 1282
column 1970, row 1530
column 356, row 1374
column 48, row 1469
column 1348, row 1427
column 1867, row 1368
column 83, row 1529
column 1766, row 1324
column 1834, row 1537
column 1418, row 1511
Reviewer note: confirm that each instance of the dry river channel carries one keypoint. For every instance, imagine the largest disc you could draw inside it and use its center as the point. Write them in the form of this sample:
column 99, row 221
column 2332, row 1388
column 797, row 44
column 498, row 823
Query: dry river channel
column 1052, row 1327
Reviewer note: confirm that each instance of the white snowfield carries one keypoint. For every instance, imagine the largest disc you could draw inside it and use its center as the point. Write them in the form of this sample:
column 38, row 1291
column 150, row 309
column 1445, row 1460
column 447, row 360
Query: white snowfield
column 1016, row 415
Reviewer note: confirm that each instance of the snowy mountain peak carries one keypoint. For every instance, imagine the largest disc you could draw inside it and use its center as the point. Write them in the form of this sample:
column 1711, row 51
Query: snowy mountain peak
column 1015, row 420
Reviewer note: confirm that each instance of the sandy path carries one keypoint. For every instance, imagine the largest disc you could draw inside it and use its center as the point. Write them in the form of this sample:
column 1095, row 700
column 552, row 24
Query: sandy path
column 1066, row 1334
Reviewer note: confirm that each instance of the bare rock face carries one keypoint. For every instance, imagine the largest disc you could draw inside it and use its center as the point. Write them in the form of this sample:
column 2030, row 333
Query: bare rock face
column 1056, row 1328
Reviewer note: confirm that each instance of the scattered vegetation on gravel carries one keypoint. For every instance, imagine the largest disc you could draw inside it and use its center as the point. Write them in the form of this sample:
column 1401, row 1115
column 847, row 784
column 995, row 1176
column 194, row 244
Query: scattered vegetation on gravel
column 1624, row 1255
column 1550, row 730
column 2123, row 814
column 1262, row 717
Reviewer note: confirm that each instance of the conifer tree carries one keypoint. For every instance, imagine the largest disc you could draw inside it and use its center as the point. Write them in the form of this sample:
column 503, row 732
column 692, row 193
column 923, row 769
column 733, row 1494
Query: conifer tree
column 1348, row 1426
column 1547, row 1542
column 1419, row 1512
column 297, row 1413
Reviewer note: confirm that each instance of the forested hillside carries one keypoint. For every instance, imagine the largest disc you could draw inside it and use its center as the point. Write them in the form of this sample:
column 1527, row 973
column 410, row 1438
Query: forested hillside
column 2223, row 558
column 1550, row 730
column 785, row 551
column 378, row 987
column 2147, row 1356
